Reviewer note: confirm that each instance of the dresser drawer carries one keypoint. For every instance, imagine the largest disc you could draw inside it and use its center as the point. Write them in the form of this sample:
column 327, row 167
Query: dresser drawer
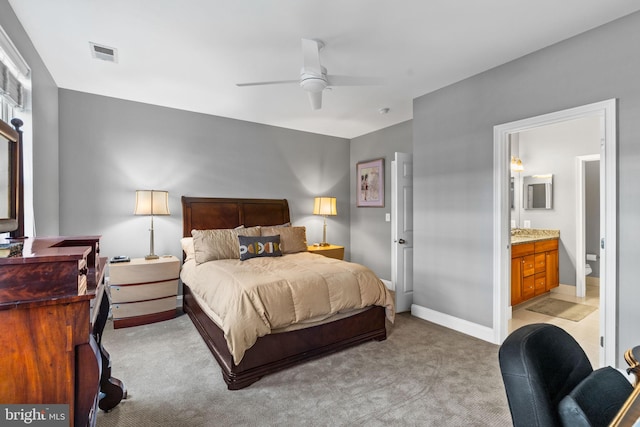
column 546, row 245
column 528, row 265
column 528, row 287
column 139, row 270
column 131, row 293
column 540, row 283
column 540, row 262
column 141, row 308
column 522, row 249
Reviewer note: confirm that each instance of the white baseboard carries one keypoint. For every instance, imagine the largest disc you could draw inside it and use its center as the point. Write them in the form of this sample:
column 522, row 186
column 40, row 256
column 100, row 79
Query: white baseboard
column 469, row 328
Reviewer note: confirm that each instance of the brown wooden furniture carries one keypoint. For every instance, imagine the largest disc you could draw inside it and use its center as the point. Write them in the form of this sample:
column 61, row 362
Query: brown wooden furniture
column 534, row 269
column 632, row 356
column 50, row 339
column 331, row 251
column 630, row 411
column 273, row 352
column 143, row 290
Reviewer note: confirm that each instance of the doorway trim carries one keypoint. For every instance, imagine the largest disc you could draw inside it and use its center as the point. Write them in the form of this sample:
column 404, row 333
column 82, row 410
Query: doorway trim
column 501, row 226
column 581, row 245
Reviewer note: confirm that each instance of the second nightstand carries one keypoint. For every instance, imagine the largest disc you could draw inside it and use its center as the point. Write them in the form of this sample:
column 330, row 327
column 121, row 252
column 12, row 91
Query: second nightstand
column 143, row 291
column 331, row 251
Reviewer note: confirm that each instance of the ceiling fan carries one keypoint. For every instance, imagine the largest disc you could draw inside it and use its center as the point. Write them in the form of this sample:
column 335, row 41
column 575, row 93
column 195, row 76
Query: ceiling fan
column 313, row 76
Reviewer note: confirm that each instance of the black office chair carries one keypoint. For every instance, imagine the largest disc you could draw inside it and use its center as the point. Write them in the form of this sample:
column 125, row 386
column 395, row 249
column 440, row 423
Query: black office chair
column 550, row 382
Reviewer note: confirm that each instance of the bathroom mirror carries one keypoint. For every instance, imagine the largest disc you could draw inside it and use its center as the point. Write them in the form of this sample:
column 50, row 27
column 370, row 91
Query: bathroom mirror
column 9, row 178
column 537, row 191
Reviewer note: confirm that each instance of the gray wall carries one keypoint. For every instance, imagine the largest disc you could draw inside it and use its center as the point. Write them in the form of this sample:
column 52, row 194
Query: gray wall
column 45, row 126
column 111, row 147
column 453, row 165
column 370, row 234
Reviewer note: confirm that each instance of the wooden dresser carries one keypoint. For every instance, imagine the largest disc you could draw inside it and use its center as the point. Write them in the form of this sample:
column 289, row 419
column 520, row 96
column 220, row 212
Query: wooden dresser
column 52, row 310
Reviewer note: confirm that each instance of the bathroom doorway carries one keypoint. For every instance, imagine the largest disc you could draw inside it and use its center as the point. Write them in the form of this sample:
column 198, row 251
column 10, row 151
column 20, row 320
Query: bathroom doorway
column 605, row 111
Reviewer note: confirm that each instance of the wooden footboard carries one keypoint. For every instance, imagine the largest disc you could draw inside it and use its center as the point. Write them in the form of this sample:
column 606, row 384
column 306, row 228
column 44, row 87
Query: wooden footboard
column 272, row 353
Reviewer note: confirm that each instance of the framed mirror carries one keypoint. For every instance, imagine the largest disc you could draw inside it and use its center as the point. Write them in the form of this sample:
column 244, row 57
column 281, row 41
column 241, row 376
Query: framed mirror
column 9, row 177
column 537, row 191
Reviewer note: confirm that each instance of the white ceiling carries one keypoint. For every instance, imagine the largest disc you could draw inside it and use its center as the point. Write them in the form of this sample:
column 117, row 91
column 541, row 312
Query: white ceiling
column 189, row 54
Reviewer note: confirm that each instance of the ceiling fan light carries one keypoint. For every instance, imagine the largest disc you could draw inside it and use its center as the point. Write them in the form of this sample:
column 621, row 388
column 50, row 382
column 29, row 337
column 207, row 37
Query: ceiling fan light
column 313, row 85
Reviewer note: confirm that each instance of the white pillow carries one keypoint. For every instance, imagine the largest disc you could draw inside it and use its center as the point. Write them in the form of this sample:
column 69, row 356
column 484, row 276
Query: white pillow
column 187, row 248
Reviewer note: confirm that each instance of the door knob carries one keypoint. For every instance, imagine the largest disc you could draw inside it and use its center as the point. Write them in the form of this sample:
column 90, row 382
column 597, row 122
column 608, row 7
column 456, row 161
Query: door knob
column 402, row 241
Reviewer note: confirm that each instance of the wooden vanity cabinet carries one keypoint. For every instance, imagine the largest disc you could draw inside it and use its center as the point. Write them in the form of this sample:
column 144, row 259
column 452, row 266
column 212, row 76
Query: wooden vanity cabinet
column 534, row 269
column 552, row 272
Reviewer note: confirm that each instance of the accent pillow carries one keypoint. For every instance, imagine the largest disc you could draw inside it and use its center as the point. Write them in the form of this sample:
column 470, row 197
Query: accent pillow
column 187, row 248
column 596, row 400
column 292, row 239
column 211, row 245
column 252, row 247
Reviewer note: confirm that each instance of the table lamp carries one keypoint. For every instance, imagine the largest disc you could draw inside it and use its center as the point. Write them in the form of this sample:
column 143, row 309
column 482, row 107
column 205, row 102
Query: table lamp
column 151, row 202
column 324, row 206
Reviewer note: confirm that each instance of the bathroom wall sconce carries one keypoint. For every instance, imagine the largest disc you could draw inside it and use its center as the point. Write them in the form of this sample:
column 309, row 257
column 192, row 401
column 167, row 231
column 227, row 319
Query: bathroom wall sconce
column 516, row 164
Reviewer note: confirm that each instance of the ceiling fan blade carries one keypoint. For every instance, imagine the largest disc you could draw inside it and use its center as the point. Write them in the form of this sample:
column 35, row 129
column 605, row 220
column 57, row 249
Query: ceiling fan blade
column 316, row 100
column 311, row 55
column 275, row 82
column 337, row 80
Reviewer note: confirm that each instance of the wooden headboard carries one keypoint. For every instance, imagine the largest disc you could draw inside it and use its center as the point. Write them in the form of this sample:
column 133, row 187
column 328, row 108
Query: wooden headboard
column 206, row 213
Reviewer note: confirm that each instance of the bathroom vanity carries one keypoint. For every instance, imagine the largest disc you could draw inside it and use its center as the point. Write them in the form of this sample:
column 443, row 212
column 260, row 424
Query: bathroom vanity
column 534, row 263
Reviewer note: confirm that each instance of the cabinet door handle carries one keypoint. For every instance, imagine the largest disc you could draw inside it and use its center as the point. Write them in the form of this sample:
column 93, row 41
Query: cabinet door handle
column 402, row 241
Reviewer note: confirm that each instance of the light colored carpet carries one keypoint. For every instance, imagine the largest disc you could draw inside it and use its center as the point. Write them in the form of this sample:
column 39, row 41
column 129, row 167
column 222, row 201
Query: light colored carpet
column 563, row 309
column 422, row 375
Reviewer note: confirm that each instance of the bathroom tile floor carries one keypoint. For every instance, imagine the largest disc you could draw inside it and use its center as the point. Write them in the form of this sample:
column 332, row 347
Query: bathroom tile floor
column 586, row 332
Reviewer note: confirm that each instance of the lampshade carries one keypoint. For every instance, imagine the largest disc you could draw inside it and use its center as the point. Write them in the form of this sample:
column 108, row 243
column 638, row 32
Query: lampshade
column 325, row 206
column 152, row 202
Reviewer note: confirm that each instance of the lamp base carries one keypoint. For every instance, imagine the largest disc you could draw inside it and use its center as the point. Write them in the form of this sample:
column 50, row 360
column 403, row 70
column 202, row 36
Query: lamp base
column 324, row 244
column 151, row 257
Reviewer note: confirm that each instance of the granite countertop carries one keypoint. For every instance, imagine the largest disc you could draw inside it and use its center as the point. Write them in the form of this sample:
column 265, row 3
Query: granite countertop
column 528, row 235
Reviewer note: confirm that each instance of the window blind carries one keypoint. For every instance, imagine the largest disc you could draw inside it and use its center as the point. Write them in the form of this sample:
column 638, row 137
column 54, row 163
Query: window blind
column 10, row 86
column 13, row 72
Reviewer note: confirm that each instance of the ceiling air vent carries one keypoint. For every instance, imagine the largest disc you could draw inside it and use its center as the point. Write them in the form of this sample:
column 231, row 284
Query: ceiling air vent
column 105, row 53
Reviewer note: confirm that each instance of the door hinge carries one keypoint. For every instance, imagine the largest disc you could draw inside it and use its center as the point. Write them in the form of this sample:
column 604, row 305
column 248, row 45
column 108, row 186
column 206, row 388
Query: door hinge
column 602, row 341
column 602, row 243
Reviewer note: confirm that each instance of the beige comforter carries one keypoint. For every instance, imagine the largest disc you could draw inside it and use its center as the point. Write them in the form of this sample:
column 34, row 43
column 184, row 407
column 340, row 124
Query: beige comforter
column 253, row 297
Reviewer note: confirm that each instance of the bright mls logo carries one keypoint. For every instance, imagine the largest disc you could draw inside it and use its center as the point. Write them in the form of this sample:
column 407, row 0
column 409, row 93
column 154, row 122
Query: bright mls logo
column 36, row 415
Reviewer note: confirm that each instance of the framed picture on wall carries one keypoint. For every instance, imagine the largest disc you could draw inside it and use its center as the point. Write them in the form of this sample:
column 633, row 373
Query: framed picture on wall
column 370, row 183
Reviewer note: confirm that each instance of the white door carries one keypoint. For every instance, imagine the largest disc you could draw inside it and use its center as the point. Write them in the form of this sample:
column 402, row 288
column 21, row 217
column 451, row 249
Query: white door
column 402, row 230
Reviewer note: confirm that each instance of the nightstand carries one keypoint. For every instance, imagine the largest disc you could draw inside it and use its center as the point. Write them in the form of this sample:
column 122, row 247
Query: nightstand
column 331, row 251
column 143, row 291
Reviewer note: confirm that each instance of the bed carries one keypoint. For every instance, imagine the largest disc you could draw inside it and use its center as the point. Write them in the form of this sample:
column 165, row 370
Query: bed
column 274, row 351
